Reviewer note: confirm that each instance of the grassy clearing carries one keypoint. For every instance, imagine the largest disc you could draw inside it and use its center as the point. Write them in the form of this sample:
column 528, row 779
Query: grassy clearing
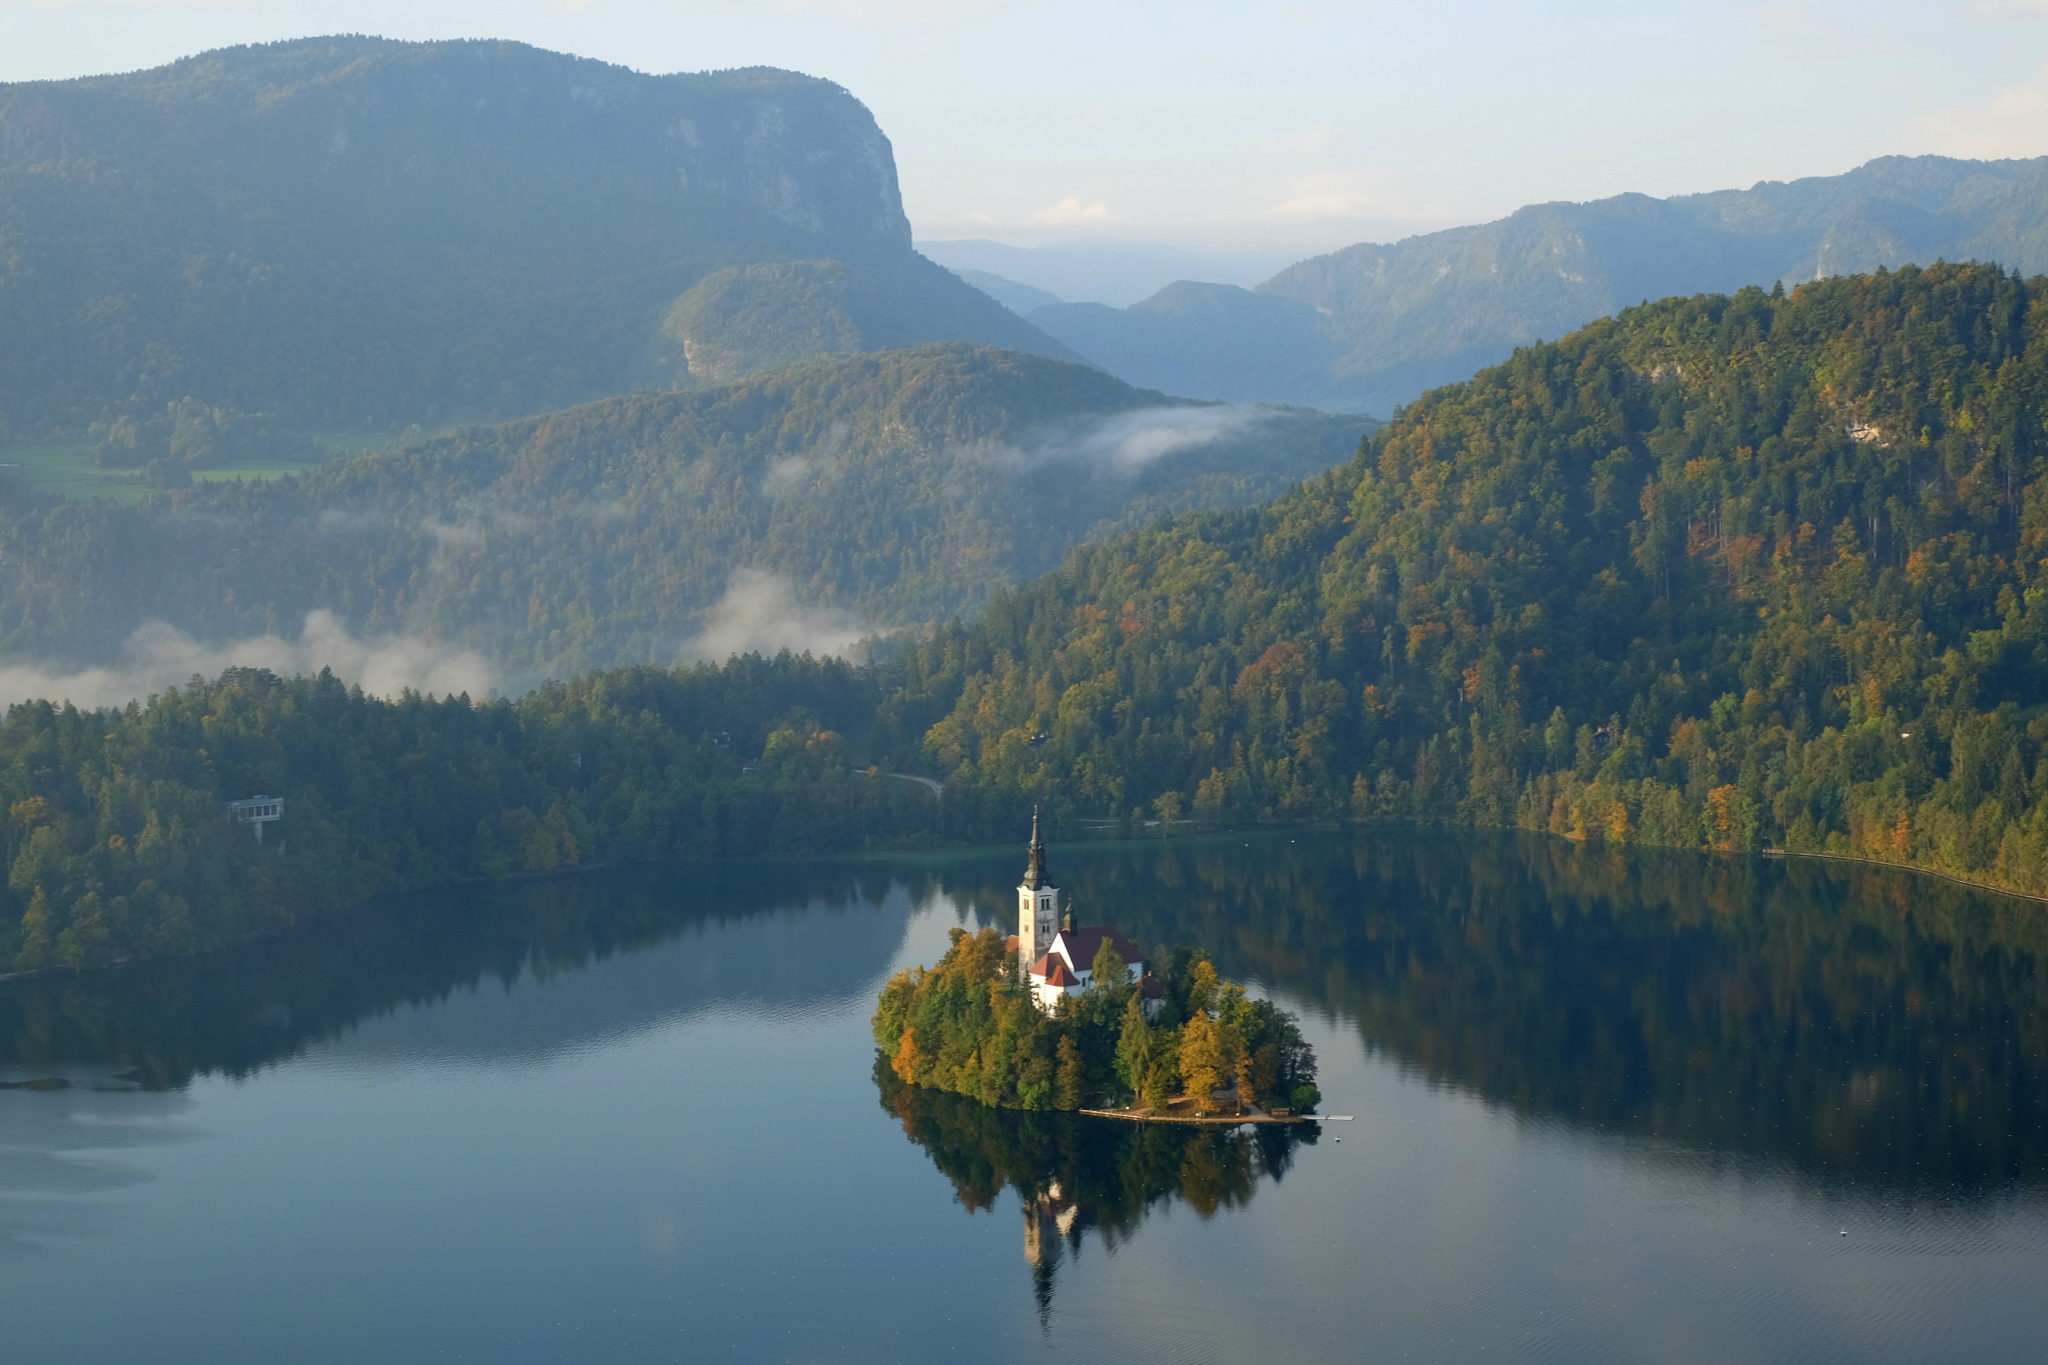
column 68, row 471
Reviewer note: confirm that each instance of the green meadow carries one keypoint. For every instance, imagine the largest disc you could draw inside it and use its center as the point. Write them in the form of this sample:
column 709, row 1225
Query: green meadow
column 69, row 472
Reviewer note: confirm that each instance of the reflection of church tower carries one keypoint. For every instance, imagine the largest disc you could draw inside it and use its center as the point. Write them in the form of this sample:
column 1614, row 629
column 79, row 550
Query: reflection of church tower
column 1038, row 903
column 1048, row 1223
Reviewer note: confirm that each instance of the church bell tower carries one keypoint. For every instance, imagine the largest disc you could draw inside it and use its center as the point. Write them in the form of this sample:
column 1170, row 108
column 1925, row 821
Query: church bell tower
column 1038, row 903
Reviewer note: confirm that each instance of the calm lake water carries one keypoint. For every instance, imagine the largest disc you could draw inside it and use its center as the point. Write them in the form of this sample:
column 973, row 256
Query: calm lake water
column 1608, row 1108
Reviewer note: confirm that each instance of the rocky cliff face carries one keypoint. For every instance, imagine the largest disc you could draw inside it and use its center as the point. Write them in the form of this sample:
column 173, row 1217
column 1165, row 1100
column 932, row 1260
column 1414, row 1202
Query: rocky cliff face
column 358, row 231
column 789, row 148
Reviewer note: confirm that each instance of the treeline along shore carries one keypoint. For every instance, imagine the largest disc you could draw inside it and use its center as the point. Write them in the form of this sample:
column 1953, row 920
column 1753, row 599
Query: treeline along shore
column 119, row 845
column 1732, row 572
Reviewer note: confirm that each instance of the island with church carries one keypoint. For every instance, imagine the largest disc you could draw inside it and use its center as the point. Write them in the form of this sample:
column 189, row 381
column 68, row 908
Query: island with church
column 1078, row 1017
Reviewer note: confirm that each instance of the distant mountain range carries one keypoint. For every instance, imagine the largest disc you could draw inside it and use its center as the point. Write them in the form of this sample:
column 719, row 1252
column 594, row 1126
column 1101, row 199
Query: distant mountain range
column 353, row 232
column 1370, row 327
column 1108, row 271
column 1021, row 299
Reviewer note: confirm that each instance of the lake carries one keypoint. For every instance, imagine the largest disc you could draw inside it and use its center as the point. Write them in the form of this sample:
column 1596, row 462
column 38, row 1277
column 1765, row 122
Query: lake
column 1608, row 1107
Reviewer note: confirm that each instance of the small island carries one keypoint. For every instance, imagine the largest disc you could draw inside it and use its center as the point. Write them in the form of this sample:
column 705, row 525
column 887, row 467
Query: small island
column 1066, row 1017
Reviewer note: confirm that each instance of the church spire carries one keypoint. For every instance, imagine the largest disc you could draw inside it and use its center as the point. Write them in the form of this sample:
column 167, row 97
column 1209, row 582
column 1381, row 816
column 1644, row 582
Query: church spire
column 1035, row 875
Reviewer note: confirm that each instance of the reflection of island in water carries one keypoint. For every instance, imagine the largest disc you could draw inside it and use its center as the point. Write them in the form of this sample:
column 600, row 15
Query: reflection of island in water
column 1075, row 1175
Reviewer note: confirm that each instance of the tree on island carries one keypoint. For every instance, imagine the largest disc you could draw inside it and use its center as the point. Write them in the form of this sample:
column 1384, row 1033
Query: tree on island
column 1136, row 1048
column 1109, row 971
column 1069, row 1086
column 1159, row 1084
column 1201, row 1061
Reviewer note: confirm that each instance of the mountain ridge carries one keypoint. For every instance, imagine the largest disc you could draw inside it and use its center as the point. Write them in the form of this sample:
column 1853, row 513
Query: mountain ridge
column 1382, row 323
column 365, row 232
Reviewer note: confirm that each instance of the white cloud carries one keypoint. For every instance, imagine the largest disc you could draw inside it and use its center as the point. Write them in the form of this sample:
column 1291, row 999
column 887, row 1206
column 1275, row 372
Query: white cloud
column 794, row 473
column 158, row 656
column 787, row 474
column 2013, row 122
column 759, row 613
column 1330, row 194
column 1131, row 441
column 1128, row 442
column 453, row 534
column 1318, row 141
column 1073, row 212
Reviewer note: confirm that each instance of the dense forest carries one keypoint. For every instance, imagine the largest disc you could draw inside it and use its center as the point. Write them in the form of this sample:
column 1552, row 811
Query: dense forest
column 969, row 1025
column 879, row 490
column 352, row 232
column 117, row 843
column 1728, row 572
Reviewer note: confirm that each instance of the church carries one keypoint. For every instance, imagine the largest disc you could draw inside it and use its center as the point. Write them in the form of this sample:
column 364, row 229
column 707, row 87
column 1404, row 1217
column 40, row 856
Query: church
column 1058, row 957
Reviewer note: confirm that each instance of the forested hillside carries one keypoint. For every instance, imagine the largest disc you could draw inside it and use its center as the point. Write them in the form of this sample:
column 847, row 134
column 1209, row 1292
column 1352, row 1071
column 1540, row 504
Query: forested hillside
column 359, row 233
column 842, row 495
column 1730, row 572
column 117, row 845
column 1372, row 326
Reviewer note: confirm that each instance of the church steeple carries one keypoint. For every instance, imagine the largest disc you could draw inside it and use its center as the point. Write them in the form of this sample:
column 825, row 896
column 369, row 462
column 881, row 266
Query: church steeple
column 1038, row 902
column 1035, row 875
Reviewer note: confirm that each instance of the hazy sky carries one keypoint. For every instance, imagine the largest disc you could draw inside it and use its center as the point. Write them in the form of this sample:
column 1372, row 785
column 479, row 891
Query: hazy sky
column 1301, row 126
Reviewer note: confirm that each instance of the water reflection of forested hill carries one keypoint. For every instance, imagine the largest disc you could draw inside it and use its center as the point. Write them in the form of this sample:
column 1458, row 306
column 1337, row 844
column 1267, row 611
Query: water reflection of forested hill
column 1076, row 1175
column 615, row 953
column 1856, row 1023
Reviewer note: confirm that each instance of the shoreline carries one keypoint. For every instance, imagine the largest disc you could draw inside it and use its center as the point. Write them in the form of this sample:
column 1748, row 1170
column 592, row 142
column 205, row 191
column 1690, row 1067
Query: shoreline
column 947, row 851
column 1902, row 867
column 1195, row 1120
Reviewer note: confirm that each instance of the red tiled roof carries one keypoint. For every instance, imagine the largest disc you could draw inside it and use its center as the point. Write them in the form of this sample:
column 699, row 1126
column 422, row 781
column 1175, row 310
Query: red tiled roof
column 1082, row 945
column 1010, row 944
column 1059, row 975
column 1046, row 962
column 1151, row 988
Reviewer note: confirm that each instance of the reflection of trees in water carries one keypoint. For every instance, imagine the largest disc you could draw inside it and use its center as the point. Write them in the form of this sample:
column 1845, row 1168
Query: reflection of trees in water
column 1076, row 1175
column 168, row 1022
column 1855, row 1023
